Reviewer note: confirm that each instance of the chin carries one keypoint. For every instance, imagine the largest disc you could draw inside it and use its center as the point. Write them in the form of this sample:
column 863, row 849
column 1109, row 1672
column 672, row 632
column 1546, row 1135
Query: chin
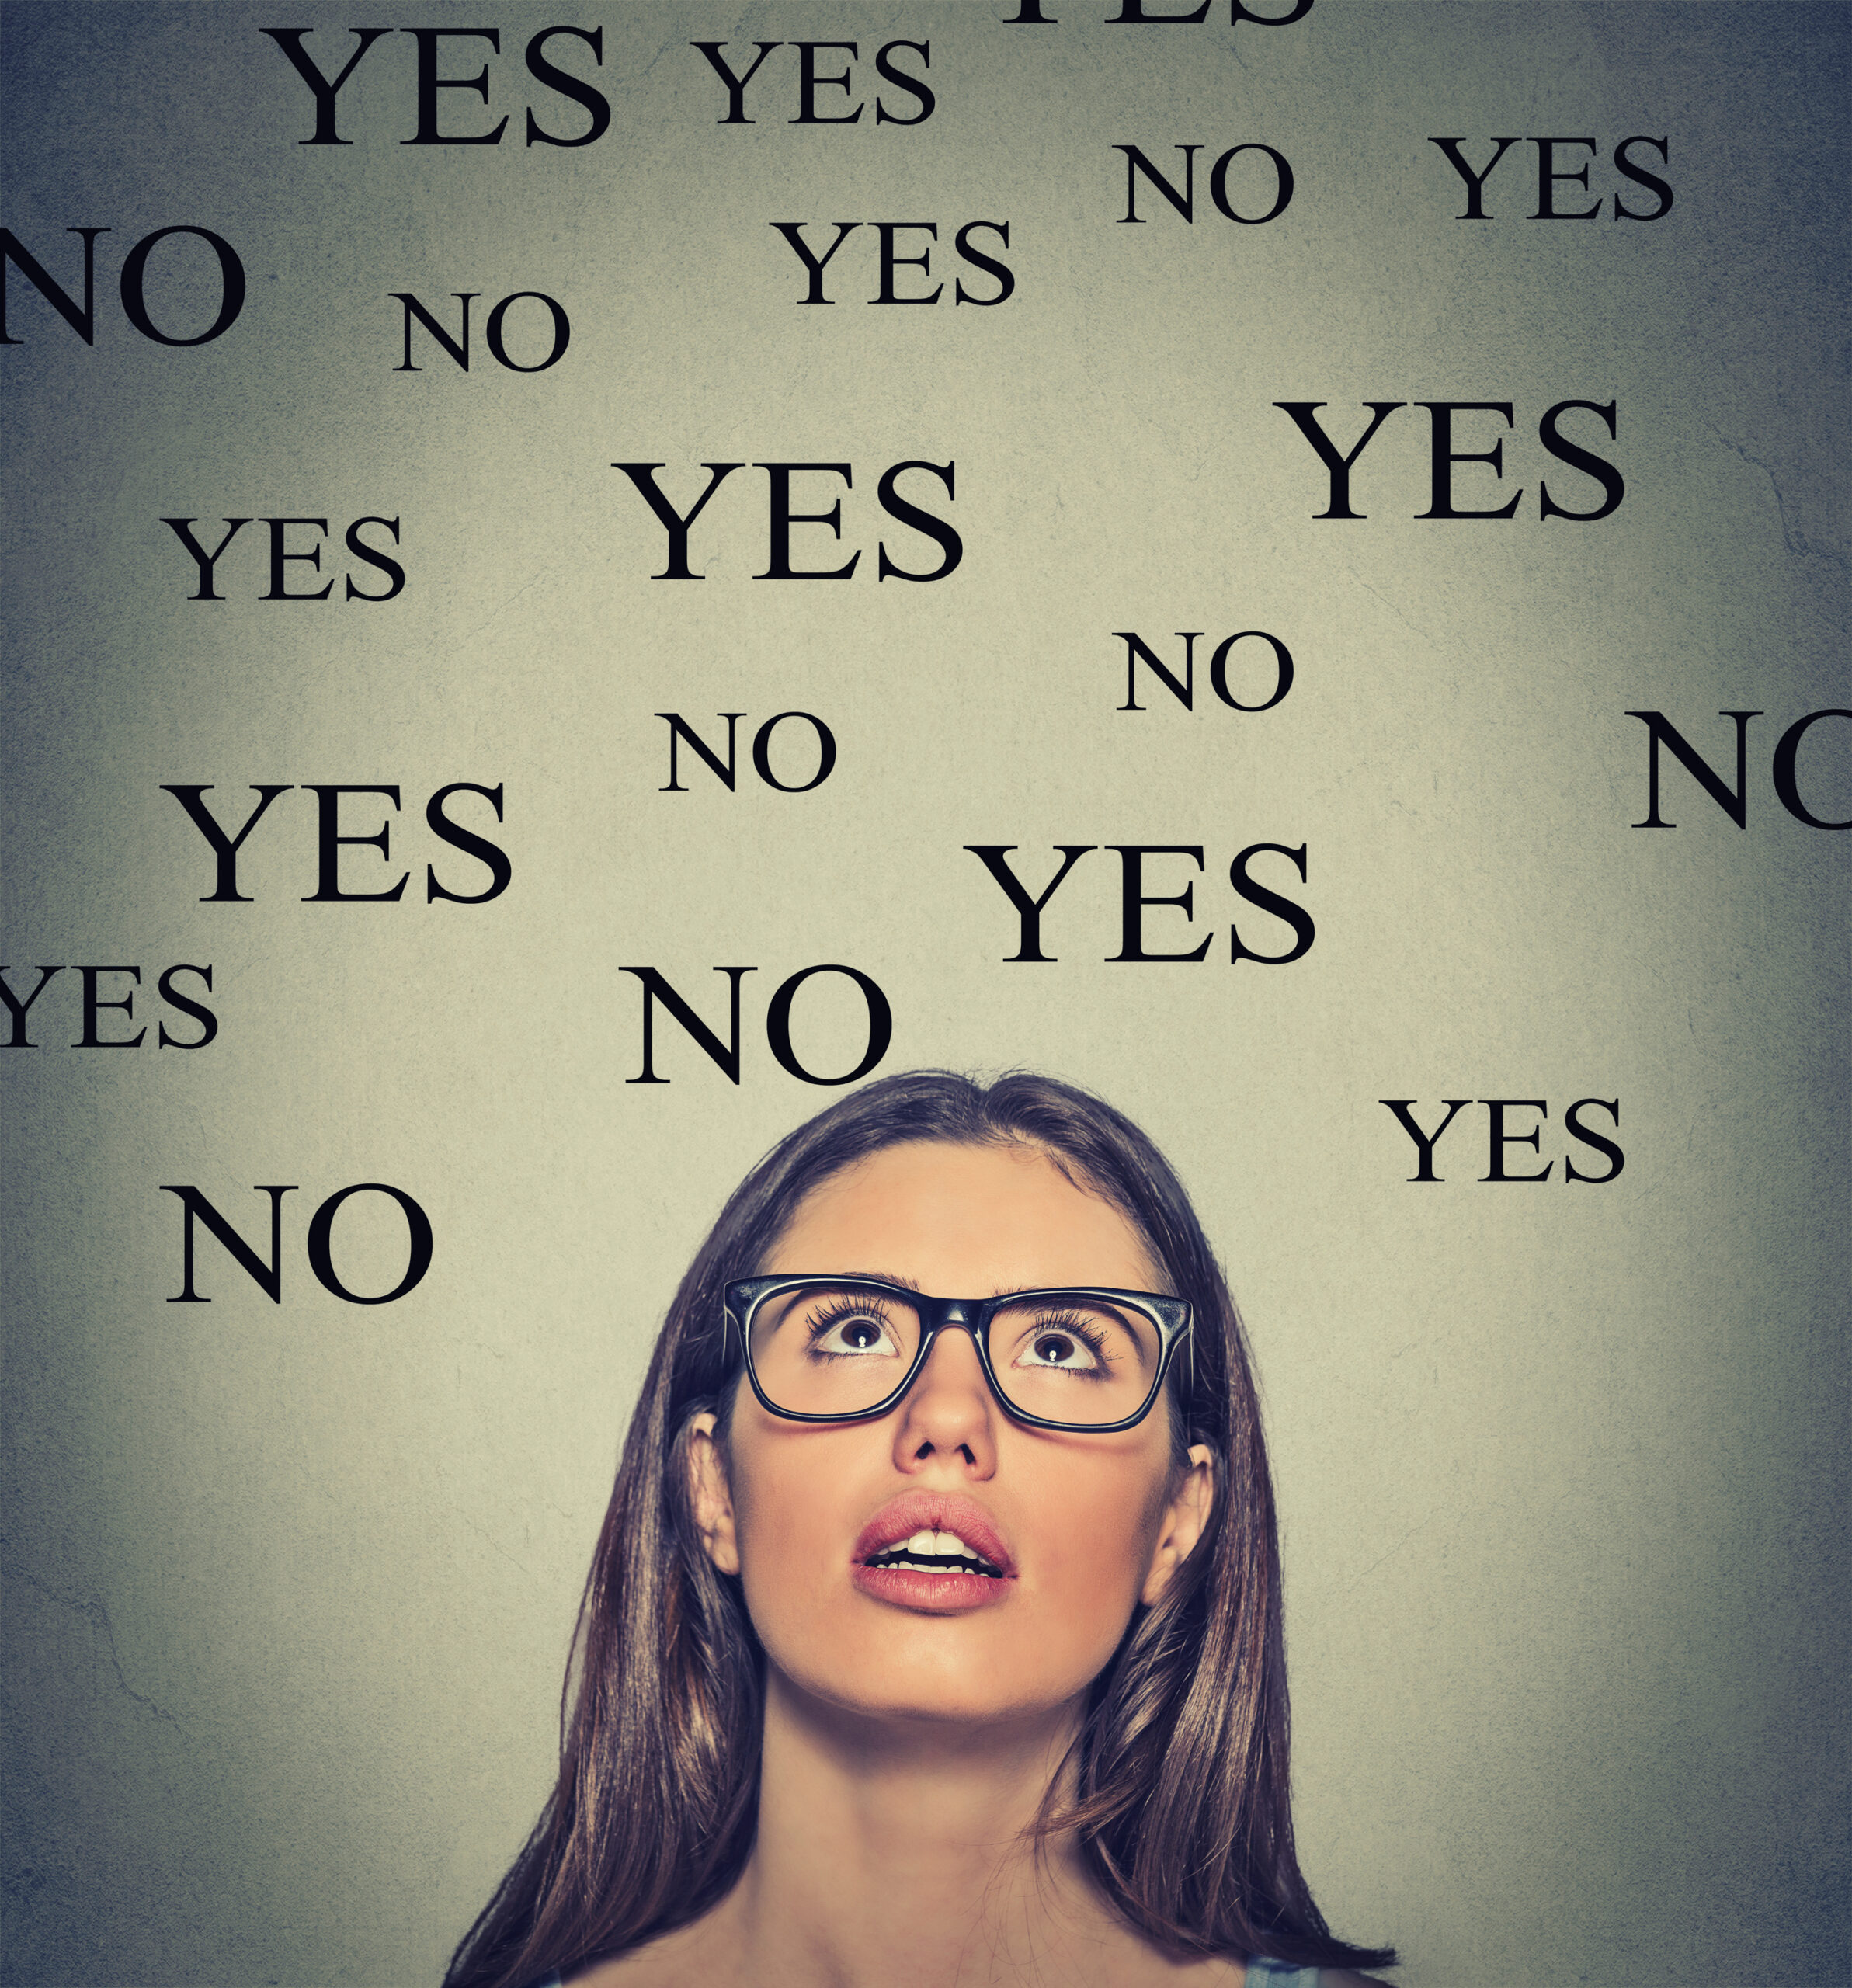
column 937, row 1706
column 906, row 1681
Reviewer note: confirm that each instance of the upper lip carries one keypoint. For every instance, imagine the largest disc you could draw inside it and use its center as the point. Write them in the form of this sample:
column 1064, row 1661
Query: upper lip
column 934, row 1511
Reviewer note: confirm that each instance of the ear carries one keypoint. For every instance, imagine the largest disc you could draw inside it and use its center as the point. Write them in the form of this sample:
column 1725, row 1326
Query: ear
column 1182, row 1524
column 712, row 1496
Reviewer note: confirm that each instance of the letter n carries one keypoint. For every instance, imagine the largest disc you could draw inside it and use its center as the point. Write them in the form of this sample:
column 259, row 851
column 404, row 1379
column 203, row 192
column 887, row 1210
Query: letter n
column 1660, row 732
column 1136, row 162
column 458, row 350
column 267, row 1278
column 14, row 250
column 1138, row 649
column 655, row 989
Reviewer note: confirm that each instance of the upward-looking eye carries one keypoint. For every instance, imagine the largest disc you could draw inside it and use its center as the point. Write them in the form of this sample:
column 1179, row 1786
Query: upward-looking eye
column 1061, row 1343
column 851, row 1331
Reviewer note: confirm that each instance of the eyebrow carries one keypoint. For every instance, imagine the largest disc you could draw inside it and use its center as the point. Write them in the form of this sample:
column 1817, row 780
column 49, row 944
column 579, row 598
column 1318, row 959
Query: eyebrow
column 888, row 1277
column 997, row 1290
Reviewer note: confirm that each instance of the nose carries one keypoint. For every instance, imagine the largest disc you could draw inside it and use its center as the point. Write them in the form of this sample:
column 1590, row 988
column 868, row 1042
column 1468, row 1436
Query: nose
column 948, row 1413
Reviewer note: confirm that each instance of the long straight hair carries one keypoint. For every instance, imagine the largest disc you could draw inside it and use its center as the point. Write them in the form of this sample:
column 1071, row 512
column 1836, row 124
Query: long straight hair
column 1180, row 1808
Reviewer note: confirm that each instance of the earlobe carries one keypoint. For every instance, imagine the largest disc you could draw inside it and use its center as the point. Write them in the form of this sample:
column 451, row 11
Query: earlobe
column 1183, row 1520
column 711, row 1496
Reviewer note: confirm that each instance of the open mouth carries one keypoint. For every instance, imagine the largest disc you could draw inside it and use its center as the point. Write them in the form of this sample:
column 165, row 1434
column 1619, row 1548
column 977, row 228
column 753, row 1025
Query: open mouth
column 929, row 1552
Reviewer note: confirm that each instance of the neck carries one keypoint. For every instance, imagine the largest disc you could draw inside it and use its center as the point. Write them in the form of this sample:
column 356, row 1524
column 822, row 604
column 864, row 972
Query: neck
column 892, row 1854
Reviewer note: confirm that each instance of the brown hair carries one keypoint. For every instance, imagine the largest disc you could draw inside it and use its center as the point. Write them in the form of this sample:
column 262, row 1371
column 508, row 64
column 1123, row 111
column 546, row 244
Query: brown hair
column 1182, row 1806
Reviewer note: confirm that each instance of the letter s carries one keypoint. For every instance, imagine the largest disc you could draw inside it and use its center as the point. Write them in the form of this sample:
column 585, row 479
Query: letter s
column 500, row 869
column 1612, row 484
column 897, row 507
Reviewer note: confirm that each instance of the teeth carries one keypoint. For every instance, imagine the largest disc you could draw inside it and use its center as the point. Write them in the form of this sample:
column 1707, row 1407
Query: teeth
column 927, row 1551
column 940, row 1544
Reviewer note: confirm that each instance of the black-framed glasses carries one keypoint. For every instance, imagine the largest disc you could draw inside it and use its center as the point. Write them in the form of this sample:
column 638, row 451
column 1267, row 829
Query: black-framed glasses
column 840, row 1349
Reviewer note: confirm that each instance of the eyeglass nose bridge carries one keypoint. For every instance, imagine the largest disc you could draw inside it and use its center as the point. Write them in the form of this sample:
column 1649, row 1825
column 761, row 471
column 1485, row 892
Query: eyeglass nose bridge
column 955, row 1316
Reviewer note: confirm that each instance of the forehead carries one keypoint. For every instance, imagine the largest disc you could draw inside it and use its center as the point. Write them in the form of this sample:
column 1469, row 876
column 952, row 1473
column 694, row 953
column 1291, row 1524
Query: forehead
column 963, row 1222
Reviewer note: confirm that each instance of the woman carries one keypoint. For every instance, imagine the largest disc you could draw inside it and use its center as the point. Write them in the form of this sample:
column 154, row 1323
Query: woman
column 932, row 1639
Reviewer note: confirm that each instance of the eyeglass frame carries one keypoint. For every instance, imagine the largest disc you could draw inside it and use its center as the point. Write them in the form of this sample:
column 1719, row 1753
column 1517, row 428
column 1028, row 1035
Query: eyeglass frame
column 1174, row 1318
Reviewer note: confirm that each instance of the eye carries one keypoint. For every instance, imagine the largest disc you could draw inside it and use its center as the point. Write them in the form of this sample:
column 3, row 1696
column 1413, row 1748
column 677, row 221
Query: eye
column 850, row 1331
column 1062, row 1344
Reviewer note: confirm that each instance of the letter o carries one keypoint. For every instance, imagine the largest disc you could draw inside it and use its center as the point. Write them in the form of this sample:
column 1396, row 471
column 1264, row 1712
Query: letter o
column 1787, row 788
column 1219, row 670
column 1218, row 184
column 562, row 332
column 232, row 286
column 320, row 1233
column 762, row 753
column 778, row 1025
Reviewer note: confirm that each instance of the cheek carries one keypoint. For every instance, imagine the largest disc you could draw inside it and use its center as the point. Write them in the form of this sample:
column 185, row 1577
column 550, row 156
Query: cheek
column 786, row 1544
column 1101, row 1548
column 1093, row 1552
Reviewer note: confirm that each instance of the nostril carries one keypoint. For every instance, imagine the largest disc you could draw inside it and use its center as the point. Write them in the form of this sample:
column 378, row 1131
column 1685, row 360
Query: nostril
column 929, row 1448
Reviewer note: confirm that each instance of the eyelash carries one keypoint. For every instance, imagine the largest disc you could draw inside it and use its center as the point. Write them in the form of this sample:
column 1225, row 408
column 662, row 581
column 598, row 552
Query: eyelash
column 842, row 1308
column 1075, row 1328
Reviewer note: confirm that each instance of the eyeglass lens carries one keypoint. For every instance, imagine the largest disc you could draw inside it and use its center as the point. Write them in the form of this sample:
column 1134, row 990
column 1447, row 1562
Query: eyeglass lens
column 832, row 1349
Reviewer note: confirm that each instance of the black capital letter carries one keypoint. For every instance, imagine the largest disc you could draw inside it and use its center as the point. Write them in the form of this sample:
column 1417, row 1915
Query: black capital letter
column 290, row 41
column 18, row 1009
column 225, row 849
column 268, row 1277
column 321, row 1239
column 1305, row 415
column 778, row 1025
column 736, row 85
column 1029, row 909
column 1786, row 787
column 1424, row 1143
column 1132, row 901
column 429, row 83
column 1444, row 456
column 1476, row 182
column 644, row 476
column 1659, row 731
column 205, row 561
column 1497, row 1107
column 330, row 842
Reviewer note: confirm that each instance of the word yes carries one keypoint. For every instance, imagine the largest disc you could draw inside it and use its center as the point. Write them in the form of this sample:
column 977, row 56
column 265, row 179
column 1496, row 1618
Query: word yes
column 1442, row 455
column 330, row 842
column 1549, row 177
column 1500, row 1137
column 890, row 262
column 93, row 1003
column 281, row 558
column 1134, row 898
column 680, row 524
column 809, row 82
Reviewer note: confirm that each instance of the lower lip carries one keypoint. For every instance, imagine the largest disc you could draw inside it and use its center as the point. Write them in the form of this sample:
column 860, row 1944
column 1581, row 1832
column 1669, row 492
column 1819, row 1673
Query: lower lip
column 931, row 1594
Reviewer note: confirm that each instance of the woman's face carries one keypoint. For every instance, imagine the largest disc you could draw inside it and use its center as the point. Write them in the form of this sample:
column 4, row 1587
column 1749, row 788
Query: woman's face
column 1088, row 1524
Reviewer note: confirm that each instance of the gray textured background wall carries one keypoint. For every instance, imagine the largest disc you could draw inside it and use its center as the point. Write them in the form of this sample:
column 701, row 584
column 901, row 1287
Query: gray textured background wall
column 1563, row 1473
